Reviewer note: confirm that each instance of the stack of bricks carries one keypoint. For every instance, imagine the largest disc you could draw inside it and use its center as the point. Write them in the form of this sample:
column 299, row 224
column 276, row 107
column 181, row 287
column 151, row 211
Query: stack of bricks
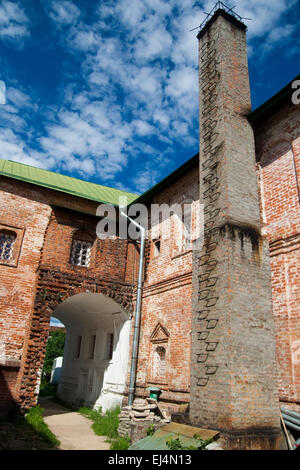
column 140, row 415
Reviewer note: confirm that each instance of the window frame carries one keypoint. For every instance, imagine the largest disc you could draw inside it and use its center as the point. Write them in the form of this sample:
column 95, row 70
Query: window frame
column 16, row 251
column 88, row 254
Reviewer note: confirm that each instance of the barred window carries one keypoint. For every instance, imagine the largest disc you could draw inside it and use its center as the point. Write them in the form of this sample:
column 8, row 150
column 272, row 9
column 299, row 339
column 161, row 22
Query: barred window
column 81, row 253
column 7, row 241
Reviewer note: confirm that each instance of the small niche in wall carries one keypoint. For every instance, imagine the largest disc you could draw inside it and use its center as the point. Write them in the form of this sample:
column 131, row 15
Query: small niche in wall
column 109, row 346
column 92, row 346
column 78, row 347
column 156, row 247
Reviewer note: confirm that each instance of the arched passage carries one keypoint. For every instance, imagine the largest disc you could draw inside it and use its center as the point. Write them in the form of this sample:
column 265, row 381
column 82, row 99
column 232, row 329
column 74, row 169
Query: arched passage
column 96, row 352
column 59, row 295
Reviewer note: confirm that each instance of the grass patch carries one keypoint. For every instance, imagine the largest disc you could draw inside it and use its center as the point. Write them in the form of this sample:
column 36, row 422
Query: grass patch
column 121, row 443
column 175, row 444
column 104, row 424
column 107, row 425
column 26, row 433
column 35, row 418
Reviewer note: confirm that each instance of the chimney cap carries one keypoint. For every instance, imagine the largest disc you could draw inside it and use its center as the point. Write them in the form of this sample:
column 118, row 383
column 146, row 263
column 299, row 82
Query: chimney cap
column 220, row 9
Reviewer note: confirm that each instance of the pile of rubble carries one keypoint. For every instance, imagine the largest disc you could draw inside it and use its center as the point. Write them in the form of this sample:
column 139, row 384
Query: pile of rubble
column 142, row 411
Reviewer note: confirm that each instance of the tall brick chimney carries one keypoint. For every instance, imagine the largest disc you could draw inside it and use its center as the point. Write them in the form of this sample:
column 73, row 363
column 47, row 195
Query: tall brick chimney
column 233, row 365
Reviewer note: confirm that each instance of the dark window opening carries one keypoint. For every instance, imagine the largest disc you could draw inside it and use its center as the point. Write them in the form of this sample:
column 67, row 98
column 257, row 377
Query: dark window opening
column 78, row 347
column 156, row 247
column 92, row 346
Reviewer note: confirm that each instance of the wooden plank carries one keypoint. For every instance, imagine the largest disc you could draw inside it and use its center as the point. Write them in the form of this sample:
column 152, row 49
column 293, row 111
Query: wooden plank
column 189, row 431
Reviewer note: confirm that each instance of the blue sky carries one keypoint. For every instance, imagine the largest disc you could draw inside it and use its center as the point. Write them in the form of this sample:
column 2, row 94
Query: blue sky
column 107, row 90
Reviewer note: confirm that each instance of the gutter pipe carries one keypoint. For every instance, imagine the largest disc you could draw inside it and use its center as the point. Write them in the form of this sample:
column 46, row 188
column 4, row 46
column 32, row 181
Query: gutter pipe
column 291, row 419
column 292, row 413
column 137, row 312
column 291, row 425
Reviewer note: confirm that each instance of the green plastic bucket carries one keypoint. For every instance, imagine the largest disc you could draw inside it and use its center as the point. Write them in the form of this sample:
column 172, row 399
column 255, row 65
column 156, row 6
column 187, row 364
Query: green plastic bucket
column 154, row 392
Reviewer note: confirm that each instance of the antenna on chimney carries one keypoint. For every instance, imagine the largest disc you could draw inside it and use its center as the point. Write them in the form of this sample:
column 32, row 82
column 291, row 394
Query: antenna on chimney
column 219, row 6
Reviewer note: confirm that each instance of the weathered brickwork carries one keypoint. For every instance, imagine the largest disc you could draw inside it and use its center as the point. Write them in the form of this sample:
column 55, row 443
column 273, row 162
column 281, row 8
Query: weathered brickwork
column 166, row 304
column 278, row 156
column 44, row 276
column 208, row 322
column 233, row 347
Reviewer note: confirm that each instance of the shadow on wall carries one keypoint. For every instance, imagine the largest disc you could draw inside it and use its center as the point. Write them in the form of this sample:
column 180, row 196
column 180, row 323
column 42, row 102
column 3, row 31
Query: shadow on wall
column 8, row 379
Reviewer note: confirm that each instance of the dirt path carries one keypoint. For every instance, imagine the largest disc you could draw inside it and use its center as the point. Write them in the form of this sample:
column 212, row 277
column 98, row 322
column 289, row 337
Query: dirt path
column 73, row 430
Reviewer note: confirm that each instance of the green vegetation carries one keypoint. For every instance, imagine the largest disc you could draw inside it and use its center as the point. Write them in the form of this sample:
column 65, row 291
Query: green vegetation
column 175, row 444
column 121, row 443
column 55, row 348
column 26, row 433
column 35, row 418
column 107, row 425
column 151, row 430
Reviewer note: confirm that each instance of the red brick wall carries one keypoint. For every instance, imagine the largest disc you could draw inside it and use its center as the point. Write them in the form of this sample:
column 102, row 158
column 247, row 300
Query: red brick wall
column 166, row 308
column 167, row 304
column 8, row 377
column 42, row 275
column 17, row 282
column 278, row 152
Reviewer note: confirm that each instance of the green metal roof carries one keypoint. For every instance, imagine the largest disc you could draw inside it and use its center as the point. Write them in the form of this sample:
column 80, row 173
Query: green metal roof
column 185, row 433
column 65, row 184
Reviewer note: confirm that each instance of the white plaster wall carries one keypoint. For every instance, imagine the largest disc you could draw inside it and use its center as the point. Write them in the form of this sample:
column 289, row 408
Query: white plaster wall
column 97, row 382
column 56, row 370
column 115, row 374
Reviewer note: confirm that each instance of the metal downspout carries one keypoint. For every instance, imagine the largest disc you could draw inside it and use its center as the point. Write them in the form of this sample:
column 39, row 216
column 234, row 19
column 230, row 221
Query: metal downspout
column 137, row 313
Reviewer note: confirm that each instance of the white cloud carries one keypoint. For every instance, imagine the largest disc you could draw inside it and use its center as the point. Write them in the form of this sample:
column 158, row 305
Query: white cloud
column 19, row 98
column 146, row 80
column 13, row 148
column 134, row 96
column 64, row 12
column 131, row 14
column 143, row 128
column 182, row 81
column 280, row 32
column 153, row 42
column 2, row 92
column 162, row 117
column 14, row 23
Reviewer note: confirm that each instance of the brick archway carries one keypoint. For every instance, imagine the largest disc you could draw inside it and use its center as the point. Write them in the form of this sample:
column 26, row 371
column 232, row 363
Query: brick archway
column 52, row 289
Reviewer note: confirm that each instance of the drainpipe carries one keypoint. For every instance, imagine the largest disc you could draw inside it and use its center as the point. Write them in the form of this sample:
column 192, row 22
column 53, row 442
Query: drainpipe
column 137, row 313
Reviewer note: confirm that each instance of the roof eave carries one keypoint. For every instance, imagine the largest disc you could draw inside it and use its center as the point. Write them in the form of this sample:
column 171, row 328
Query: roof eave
column 274, row 103
column 174, row 176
